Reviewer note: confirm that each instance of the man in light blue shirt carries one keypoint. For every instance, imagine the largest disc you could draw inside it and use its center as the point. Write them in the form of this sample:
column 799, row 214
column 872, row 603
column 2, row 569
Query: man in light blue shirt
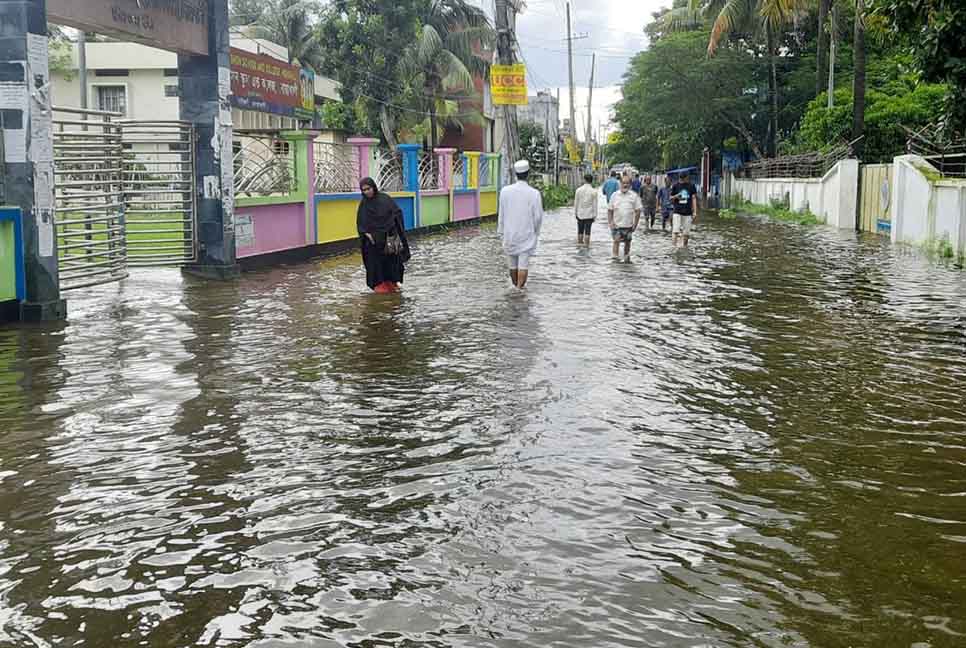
column 611, row 186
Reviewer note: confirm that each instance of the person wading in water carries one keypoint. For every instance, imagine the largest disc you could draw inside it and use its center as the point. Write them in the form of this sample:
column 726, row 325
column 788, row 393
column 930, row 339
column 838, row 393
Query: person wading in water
column 520, row 219
column 382, row 236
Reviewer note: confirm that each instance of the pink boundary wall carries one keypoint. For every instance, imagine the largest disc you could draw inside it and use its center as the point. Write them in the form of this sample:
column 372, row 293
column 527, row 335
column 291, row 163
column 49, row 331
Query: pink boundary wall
column 277, row 228
column 466, row 206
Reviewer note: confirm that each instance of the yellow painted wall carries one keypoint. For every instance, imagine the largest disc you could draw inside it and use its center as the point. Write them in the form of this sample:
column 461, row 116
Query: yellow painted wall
column 488, row 203
column 337, row 220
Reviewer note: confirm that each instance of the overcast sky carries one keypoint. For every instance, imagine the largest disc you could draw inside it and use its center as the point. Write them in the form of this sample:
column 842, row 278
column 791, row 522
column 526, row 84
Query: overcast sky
column 614, row 29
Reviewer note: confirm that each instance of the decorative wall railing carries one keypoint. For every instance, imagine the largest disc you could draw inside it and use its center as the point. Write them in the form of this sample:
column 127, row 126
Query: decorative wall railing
column 387, row 170
column 485, row 176
column 336, row 168
column 428, row 171
column 459, row 171
column 264, row 164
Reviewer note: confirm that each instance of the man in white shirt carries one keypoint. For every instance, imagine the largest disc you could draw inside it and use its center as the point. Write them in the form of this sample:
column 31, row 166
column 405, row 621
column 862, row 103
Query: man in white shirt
column 623, row 215
column 520, row 217
column 585, row 209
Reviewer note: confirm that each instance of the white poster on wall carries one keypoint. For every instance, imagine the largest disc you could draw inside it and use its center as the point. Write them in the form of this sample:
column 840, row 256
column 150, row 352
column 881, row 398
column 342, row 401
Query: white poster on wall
column 244, row 231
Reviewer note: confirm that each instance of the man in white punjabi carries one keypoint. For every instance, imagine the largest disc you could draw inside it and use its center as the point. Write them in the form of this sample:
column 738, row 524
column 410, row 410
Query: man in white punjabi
column 519, row 221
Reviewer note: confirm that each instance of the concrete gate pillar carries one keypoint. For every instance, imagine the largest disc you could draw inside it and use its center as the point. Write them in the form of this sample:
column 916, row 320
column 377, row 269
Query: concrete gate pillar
column 28, row 155
column 204, row 84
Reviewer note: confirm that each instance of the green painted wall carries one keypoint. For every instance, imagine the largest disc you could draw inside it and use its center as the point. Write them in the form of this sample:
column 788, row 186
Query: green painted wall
column 435, row 210
column 8, row 262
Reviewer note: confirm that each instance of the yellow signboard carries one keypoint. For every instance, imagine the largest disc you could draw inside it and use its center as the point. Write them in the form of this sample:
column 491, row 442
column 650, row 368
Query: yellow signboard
column 508, row 84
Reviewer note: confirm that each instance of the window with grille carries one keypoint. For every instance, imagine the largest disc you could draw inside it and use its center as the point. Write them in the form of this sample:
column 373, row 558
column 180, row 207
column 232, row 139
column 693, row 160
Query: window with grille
column 112, row 99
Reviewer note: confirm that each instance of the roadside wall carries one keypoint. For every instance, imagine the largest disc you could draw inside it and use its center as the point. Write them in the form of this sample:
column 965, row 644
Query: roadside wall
column 928, row 210
column 831, row 198
column 305, row 219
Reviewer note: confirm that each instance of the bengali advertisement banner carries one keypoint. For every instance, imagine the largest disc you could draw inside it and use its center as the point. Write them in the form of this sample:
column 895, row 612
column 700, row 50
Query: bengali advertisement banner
column 260, row 82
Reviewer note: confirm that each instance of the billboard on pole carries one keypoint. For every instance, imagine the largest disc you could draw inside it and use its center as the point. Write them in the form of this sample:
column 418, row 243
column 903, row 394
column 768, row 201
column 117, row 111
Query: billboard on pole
column 508, row 84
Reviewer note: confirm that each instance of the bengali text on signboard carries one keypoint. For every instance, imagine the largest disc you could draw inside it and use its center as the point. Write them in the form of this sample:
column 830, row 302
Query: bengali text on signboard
column 178, row 25
column 260, row 82
column 508, row 84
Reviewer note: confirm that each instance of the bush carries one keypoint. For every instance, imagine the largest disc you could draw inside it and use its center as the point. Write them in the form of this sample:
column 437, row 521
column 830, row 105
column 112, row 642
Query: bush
column 556, row 196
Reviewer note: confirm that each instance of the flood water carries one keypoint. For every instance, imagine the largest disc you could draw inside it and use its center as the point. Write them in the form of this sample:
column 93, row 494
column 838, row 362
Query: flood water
column 761, row 442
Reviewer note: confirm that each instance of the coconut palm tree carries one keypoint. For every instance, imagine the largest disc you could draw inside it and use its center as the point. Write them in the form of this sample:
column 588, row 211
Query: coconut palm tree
column 448, row 54
column 290, row 23
column 755, row 17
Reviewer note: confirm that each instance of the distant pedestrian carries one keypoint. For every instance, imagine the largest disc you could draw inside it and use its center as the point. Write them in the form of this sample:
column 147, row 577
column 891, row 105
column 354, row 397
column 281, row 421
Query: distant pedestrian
column 585, row 209
column 636, row 182
column 611, row 185
column 382, row 236
column 685, row 197
column 664, row 200
column 624, row 215
column 519, row 221
column 649, row 200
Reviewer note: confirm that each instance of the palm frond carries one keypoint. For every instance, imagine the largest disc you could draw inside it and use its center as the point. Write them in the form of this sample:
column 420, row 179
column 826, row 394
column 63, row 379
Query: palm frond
column 731, row 14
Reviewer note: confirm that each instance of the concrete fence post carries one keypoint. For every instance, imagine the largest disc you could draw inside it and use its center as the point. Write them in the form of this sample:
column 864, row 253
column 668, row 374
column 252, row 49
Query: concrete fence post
column 410, row 153
column 445, row 158
column 304, row 159
column 365, row 147
column 472, row 169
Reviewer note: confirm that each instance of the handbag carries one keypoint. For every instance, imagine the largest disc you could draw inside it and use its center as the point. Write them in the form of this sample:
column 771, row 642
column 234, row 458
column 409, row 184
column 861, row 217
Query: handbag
column 394, row 244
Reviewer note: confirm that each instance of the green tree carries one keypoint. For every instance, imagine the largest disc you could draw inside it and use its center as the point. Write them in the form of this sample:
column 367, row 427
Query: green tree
column 676, row 101
column 362, row 41
column 290, row 23
column 447, row 54
column 934, row 32
column 759, row 18
column 896, row 98
column 533, row 145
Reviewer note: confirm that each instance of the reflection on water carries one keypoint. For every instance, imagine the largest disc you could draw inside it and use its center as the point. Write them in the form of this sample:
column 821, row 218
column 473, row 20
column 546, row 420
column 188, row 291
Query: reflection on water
column 756, row 442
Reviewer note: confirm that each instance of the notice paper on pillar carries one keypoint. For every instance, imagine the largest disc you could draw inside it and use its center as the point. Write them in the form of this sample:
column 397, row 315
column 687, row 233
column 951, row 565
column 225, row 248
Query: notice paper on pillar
column 260, row 82
column 508, row 84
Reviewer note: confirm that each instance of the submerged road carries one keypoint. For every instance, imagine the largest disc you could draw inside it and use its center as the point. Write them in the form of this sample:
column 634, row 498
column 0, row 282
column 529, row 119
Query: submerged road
column 761, row 442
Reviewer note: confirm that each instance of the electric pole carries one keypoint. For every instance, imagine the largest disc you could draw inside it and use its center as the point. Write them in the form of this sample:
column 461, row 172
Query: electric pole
column 590, row 99
column 833, row 44
column 570, row 67
column 505, row 27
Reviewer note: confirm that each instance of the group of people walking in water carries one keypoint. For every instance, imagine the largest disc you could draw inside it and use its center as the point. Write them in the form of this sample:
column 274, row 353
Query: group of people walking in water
column 385, row 249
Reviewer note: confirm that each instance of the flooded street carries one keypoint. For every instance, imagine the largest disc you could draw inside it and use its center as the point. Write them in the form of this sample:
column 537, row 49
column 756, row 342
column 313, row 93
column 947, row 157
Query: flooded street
column 758, row 443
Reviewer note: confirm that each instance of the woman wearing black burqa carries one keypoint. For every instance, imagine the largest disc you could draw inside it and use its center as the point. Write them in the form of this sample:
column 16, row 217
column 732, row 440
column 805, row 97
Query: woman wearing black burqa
column 378, row 218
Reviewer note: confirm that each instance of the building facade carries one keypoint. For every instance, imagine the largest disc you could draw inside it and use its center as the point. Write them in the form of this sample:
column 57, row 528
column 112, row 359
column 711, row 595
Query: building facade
column 544, row 111
column 141, row 83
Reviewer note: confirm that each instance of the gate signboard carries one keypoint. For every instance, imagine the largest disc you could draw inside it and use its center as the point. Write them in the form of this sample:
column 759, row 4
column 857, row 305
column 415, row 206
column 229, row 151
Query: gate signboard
column 508, row 84
column 266, row 84
column 178, row 25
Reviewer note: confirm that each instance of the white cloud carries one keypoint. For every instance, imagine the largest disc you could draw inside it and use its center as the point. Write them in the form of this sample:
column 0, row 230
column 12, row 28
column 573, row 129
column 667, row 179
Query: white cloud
column 613, row 29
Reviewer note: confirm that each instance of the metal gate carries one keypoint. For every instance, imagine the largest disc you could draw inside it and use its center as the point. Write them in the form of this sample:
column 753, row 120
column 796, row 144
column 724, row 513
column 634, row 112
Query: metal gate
column 88, row 197
column 875, row 199
column 159, row 192
column 124, row 195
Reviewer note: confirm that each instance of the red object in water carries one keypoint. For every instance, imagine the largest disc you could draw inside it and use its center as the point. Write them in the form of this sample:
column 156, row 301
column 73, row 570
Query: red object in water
column 387, row 287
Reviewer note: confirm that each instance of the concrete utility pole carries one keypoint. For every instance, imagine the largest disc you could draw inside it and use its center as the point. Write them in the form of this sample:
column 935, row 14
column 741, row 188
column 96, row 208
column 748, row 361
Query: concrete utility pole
column 570, row 68
column 82, row 68
column 505, row 31
column 831, row 59
column 590, row 99
column 556, row 144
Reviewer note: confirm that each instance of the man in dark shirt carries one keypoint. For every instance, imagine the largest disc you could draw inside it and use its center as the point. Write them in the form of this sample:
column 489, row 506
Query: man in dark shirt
column 649, row 199
column 684, row 196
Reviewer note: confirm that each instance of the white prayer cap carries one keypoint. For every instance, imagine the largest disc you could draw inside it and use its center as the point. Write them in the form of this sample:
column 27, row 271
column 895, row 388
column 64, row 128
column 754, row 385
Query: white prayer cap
column 521, row 167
